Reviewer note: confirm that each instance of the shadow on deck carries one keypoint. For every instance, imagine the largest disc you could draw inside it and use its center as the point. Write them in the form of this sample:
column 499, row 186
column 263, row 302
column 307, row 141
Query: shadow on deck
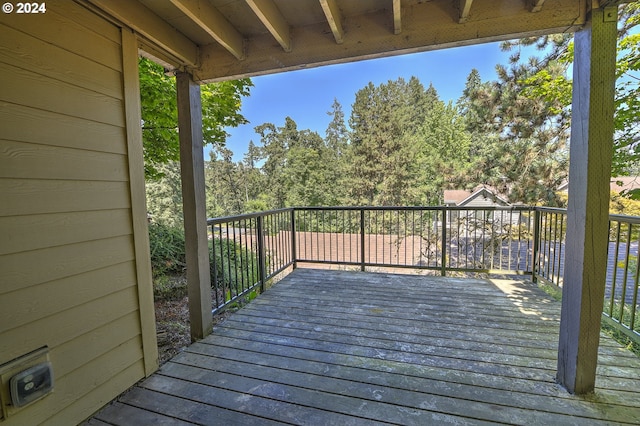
column 347, row 348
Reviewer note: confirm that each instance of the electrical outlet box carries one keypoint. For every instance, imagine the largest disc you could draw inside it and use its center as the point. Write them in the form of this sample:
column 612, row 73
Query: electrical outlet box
column 24, row 380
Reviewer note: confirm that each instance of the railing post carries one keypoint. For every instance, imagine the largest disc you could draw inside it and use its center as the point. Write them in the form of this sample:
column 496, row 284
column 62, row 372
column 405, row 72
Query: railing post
column 261, row 254
column 214, row 266
column 443, row 251
column 362, row 251
column 537, row 217
column 294, row 251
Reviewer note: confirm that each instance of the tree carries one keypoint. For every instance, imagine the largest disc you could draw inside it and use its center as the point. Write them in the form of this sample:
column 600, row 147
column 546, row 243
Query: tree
column 336, row 154
column 382, row 120
column 220, row 108
column 559, row 49
column 519, row 140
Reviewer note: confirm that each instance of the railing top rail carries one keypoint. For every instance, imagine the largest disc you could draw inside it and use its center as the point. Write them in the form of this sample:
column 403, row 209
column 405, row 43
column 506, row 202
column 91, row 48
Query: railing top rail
column 616, row 217
column 625, row 218
column 225, row 219
column 415, row 208
column 551, row 209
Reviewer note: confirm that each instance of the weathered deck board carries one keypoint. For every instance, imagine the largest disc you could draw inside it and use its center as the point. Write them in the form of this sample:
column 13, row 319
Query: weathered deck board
column 337, row 347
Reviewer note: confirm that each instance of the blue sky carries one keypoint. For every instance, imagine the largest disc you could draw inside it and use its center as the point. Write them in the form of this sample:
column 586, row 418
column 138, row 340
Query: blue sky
column 306, row 95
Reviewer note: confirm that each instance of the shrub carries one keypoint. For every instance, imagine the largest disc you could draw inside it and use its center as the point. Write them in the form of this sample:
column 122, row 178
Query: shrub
column 167, row 249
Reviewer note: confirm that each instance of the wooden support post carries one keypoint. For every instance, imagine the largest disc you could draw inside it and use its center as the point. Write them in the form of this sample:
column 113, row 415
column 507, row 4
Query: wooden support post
column 588, row 210
column 193, row 200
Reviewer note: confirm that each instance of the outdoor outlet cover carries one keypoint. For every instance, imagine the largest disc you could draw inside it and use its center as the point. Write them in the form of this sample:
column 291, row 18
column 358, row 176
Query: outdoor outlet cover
column 31, row 384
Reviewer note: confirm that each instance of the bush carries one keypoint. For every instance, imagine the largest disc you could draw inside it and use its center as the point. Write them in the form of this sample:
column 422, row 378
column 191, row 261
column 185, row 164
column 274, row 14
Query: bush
column 167, row 249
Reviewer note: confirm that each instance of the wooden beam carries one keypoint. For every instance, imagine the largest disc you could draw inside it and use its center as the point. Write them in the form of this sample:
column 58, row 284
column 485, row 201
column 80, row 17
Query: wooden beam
column 144, row 21
column 270, row 15
column 424, row 27
column 536, row 5
column 397, row 16
column 132, row 108
column 193, row 200
column 465, row 9
column 591, row 148
column 214, row 23
column 334, row 18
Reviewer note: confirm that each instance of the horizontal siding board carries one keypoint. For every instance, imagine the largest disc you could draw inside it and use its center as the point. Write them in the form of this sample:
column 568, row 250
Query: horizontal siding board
column 26, row 52
column 24, row 306
column 32, row 232
column 67, row 325
column 98, row 396
column 29, row 268
column 88, row 386
column 35, row 196
column 24, row 124
column 81, row 350
column 33, row 90
column 33, row 161
column 59, row 27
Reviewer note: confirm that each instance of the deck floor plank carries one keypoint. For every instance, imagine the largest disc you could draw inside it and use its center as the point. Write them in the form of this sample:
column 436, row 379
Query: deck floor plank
column 339, row 347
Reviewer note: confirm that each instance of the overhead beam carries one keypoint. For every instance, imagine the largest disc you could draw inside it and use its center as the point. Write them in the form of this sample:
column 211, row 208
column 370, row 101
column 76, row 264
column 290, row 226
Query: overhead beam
column 397, row 16
column 536, row 5
column 334, row 18
column 587, row 239
column 269, row 14
column 214, row 23
column 145, row 22
column 465, row 10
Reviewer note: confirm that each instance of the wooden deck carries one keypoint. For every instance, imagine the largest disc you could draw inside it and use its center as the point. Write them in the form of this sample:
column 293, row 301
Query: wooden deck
column 350, row 348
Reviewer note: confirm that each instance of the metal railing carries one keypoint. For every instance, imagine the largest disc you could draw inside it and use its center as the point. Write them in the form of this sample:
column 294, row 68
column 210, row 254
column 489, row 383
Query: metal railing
column 621, row 309
column 432, row 238
column 247, row 251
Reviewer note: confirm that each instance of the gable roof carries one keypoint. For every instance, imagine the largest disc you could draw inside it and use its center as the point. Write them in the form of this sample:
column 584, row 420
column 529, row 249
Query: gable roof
column 461, row 197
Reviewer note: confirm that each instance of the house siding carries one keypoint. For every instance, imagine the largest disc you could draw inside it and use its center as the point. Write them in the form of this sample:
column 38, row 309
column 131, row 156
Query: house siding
column 72, row 253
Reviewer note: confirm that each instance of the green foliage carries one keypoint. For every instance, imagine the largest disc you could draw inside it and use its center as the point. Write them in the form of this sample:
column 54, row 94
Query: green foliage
column 234, row 265
column 220, row 108
column 167, row 248
column 557, row 88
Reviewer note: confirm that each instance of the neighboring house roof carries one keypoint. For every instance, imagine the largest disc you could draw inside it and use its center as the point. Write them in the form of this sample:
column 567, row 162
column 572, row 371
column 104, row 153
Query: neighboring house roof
column 627, row 183
column 463, row 197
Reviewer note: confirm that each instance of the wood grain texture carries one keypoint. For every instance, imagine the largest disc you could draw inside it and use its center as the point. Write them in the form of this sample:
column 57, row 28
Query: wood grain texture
column 425, row 26
column 587, row 237
column 194, row 205
column 338, row 347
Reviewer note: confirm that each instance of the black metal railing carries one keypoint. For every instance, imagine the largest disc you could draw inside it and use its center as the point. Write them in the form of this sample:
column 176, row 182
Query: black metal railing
column 432, row 238
column 621, row 309
column 248, row 251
